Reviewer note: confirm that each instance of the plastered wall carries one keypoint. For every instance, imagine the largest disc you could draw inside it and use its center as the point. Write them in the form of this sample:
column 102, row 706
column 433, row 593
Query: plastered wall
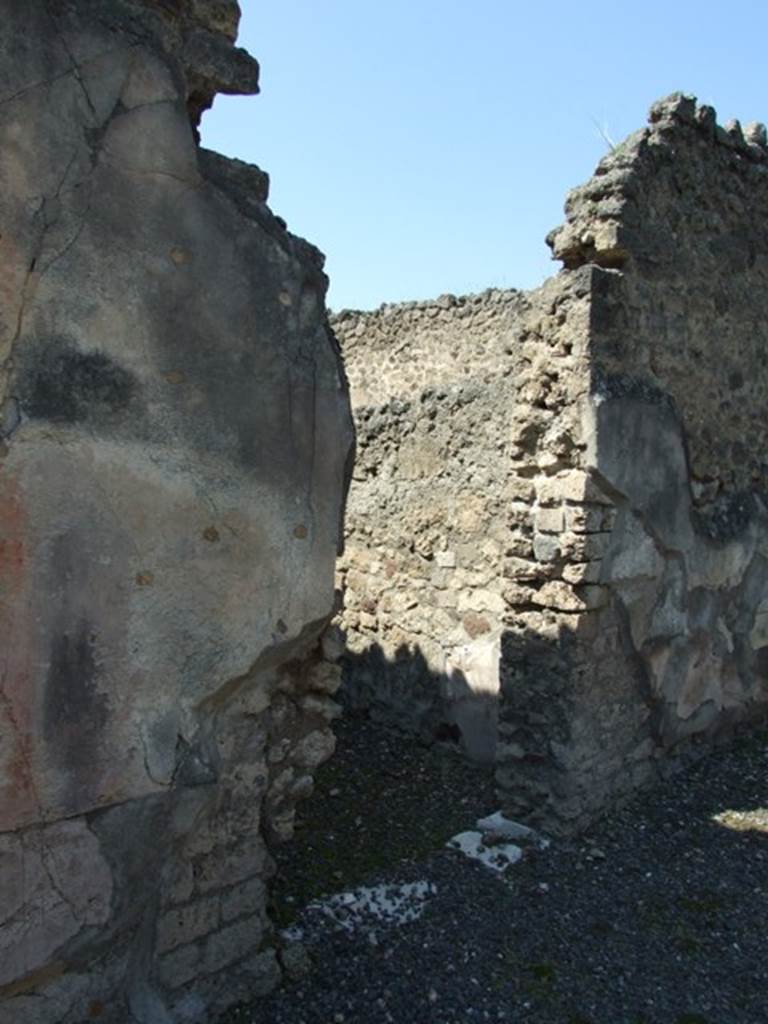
column 176, row 436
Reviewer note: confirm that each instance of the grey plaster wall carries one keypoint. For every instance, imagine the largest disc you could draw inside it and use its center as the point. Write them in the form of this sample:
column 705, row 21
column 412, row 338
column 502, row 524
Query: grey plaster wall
column 175, row 441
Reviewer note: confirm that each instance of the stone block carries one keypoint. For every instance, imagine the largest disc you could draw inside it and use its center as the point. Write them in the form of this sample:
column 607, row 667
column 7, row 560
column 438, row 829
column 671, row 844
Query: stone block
column 559, row 596
column 585, row 518
column 180, row 967
column 475, row 624
column 247, row 899
column 518, row 488
column 550, row 520
column 224, row 866
column 315, row 748
column 184, row 924
column 520, row 515
column 234, row 942
column 546, row 547
column 522, row 569
column 573, row 485
column 582, row 572
column 519, row 594
column 481, row 601
column 324, row 677
column 320, row 706
column 584, row 547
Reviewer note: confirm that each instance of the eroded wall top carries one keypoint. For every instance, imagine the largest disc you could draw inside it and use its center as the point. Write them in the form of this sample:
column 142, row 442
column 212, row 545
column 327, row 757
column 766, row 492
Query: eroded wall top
column 399, row 349
column 654, row 640
column 625, row 443
column 681, row 209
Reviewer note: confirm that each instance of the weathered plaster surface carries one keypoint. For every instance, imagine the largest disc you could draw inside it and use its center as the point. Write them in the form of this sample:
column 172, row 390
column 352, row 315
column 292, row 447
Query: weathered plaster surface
column 176, row 433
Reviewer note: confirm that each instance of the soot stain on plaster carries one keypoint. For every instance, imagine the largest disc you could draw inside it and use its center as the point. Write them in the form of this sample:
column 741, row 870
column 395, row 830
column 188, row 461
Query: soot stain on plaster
column 75, row 712
column 62, row 384
column 621, row 385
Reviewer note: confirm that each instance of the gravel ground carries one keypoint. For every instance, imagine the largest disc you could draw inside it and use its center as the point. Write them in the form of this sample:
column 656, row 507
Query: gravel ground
column 658, row 916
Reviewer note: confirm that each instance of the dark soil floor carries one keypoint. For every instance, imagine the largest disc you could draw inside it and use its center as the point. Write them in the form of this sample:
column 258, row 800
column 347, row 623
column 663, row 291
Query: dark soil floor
column 658, row 916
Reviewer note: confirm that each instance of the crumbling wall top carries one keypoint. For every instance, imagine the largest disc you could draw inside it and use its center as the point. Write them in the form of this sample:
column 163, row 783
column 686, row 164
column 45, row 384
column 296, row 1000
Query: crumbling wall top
column 199, row 34
column 400, row 348
column 603, row 224
column 675, row 224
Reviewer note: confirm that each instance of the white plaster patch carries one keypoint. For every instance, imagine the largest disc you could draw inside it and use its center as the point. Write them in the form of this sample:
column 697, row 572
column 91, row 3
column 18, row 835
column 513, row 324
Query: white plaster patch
column 744, row 821
column 513, row 830
column 497, row 857
column 477, row 664
column 395, row 904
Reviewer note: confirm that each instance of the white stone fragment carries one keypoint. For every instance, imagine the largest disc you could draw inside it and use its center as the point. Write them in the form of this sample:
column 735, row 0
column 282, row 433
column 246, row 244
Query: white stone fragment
column 395, row 904
column 497, row 857
column 513, row 830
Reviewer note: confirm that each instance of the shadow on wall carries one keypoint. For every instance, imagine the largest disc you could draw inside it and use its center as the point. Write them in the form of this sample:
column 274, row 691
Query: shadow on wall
column 575, row 724
column 405, row 691
column 585, row 721
column 462, row 705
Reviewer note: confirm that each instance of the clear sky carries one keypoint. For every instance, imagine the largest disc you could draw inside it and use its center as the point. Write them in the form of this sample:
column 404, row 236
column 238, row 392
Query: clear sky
column 427, row 147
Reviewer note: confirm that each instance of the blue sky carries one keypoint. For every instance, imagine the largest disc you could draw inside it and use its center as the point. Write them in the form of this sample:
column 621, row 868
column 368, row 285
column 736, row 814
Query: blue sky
column 427, row 147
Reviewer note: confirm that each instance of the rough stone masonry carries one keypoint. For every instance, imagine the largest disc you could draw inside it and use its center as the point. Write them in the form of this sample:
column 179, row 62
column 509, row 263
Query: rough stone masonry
column 176, row 437
column 558, row 552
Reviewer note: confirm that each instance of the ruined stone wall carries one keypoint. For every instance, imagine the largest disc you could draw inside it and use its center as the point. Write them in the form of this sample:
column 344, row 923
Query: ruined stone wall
column 423, row 590
column 175, row 440
column 427, row 526
column 400, row 349
column 629, row 480
column 666, row 653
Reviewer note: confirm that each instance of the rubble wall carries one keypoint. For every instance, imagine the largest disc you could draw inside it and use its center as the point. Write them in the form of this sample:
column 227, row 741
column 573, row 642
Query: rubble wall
column 656, row 643
column 421, row 571
column 176, row 437
column 426, row 523
column 400, row 349
column 628, row 490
